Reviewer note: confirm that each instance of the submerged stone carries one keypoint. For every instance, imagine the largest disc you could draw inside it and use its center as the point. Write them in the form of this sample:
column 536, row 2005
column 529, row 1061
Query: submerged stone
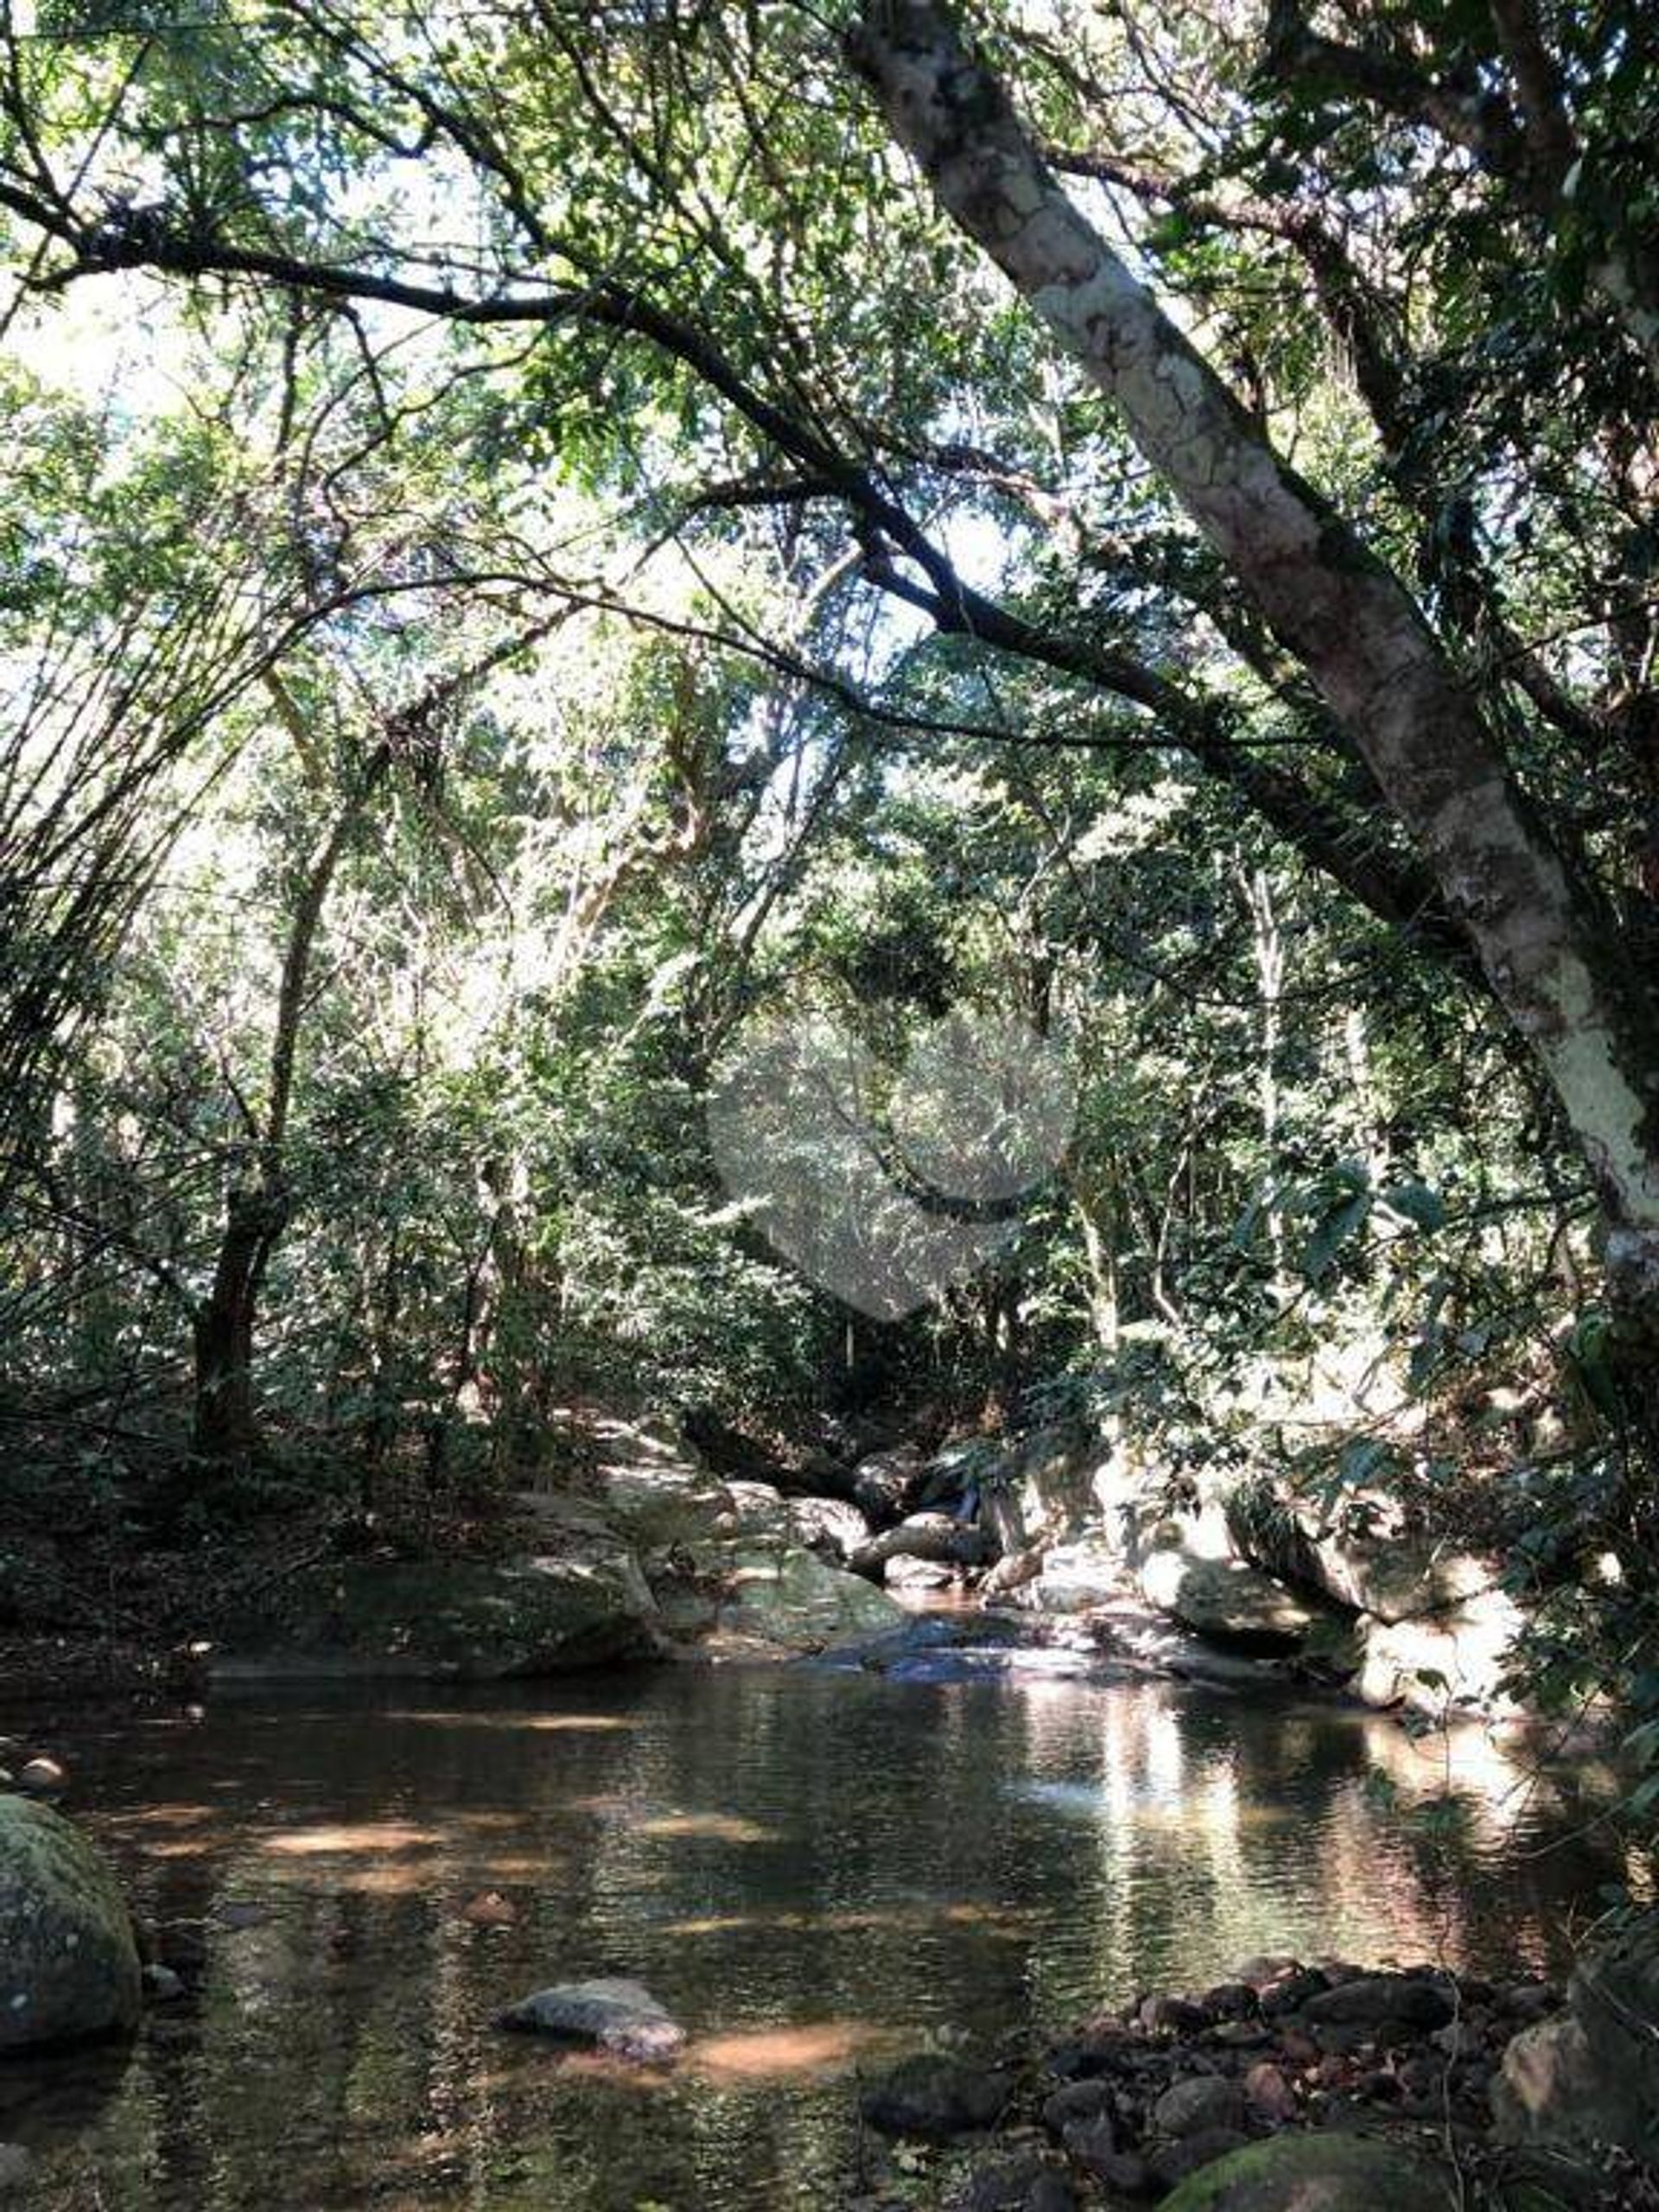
column 934, row 2098
column 1019, row 2182
column 612, row 2014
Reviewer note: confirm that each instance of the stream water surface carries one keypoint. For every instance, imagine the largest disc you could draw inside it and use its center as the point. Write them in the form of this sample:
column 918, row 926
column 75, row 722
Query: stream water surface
column 814, row 1870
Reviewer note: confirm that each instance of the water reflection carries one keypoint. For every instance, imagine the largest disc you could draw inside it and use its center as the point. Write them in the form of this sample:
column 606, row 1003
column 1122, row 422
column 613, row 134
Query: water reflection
column 813, row 1871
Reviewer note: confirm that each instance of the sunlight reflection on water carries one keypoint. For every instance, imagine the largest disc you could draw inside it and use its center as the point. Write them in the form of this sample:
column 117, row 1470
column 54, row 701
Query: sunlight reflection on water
column 814, row 1871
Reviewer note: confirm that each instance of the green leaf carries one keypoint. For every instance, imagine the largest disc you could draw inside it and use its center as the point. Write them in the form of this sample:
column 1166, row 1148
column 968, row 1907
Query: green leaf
column 1414, row 1202
column 1338, row 1228
column 1360, row 1459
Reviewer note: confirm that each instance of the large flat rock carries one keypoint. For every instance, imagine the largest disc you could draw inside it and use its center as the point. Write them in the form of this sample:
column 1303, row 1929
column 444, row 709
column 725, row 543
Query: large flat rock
column 464, row 1619
column 1226, row 1599
column 795, row 1601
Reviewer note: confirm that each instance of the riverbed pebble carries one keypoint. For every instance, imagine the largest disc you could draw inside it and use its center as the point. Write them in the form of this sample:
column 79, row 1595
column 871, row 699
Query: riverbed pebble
column 1270, row 2092
column 1391, row 2000
column 1194, row 2106
column 1230, row 2000
column 1175, row 2016
column 1092, row 2143
column 1022, row 2183
column 1075, row 2100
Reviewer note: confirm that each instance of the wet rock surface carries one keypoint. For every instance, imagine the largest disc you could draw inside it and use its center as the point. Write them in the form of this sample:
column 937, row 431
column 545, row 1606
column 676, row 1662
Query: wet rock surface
column 612, row 2014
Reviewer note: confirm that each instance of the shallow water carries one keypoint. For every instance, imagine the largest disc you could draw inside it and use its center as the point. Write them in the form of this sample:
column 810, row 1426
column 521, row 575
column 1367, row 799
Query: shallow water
column 813, row 1870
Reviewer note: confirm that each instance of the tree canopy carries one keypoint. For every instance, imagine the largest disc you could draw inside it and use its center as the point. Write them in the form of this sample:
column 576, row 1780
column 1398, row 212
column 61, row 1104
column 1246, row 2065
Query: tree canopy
column 605, row 519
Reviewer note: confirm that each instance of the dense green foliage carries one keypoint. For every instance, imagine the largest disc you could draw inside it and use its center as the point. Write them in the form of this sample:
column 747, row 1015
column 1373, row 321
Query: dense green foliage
column 531, row 541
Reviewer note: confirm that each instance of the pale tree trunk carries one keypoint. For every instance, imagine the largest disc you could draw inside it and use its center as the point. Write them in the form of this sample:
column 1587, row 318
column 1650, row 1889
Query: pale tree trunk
column 1094, row 1202
column 1100, row 1255
column 1547, row 942
column 1267, row 945
column 1369, row 1124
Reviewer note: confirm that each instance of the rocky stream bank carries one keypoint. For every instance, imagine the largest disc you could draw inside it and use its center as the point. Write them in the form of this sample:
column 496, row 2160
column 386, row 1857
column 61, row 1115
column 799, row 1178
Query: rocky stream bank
column 1298, row 2088
column 649, row 1550
column 1291, row 2086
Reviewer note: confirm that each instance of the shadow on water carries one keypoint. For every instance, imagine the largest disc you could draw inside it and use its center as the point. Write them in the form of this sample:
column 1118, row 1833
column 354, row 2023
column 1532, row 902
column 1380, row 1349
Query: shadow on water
column 813, row 1871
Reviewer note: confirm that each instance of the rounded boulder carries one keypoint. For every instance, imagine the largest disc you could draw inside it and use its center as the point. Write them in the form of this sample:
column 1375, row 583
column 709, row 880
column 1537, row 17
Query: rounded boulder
column 1335, row 2172
column 69, row 1966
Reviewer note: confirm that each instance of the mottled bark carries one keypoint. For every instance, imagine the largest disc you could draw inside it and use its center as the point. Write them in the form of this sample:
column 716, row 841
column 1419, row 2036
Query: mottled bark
column 1547, row 945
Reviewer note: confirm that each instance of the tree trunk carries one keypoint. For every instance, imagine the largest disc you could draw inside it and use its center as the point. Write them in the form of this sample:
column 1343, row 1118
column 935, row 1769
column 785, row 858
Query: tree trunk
column 1267, row 945
column 226, row 1432
column 256, row 1214
column 1549, row 943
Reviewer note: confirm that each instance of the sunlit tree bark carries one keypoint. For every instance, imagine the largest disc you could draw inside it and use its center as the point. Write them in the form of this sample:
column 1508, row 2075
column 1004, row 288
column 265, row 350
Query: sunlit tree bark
column 1550, row 948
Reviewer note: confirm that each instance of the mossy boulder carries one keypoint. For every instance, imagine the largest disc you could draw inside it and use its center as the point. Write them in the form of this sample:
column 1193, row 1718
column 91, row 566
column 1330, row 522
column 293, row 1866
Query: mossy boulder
column 795, row 1599
column 465, row 1619
column 1335, row 2172
column 68, row 1963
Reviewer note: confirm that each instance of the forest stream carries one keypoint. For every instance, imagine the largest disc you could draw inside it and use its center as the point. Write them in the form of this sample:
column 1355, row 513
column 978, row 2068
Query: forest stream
column 814, row 1870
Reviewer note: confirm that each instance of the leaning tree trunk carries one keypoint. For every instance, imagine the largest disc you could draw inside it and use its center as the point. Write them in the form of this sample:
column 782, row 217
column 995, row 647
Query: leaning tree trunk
column 1547, row 941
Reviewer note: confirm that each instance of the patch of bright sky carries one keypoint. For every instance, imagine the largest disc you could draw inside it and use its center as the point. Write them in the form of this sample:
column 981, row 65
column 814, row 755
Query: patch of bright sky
column 114, row 345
